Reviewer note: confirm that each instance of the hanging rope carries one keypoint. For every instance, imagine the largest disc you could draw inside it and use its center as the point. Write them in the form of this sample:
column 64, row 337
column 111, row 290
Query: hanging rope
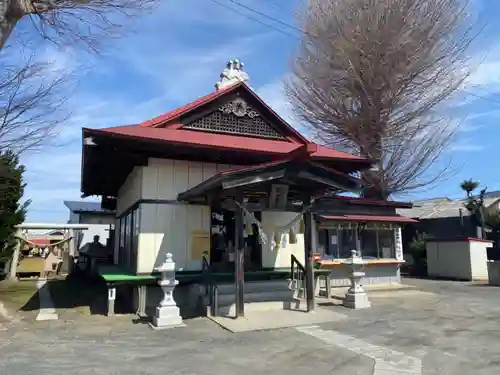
column 262, row 236
column 277, row 233
column 33, row 244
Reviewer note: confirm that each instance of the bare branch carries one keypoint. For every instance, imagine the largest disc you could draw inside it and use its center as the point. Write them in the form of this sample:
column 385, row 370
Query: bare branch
column 31, row 104
column 72, row 21
column 371, row 76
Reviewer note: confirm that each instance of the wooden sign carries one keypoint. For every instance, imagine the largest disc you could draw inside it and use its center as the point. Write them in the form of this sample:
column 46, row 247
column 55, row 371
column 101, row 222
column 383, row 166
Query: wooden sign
column 200, row 243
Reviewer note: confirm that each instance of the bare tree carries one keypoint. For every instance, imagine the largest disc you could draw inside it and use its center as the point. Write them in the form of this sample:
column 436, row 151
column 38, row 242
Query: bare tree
column 71, row 20
column 31, row 104
column 370, row 77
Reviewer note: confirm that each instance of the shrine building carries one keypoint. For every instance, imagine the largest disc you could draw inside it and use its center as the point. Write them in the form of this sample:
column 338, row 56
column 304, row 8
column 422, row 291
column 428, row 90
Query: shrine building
column 238, row 197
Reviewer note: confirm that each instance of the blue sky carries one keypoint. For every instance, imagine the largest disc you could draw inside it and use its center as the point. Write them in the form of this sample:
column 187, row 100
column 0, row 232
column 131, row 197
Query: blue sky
column 176, row 54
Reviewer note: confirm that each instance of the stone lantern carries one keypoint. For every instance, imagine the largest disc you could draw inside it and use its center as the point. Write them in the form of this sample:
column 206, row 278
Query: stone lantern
column 356, row 297
column 167, row 313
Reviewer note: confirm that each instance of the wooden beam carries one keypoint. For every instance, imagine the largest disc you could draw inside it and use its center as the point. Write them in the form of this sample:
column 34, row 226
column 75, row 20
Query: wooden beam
column 326, row 181
column 245, row 181
column 239, row 246
column 230, row 205
column 308, row 247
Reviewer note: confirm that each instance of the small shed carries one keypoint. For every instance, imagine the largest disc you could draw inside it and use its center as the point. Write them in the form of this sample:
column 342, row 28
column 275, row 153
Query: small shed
column 458, row 258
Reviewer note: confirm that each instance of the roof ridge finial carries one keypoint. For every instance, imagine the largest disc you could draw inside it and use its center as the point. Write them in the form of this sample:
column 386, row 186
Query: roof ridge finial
column 232, row 74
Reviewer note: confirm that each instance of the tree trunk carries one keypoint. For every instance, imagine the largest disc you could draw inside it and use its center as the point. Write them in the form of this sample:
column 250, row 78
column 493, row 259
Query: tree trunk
column 373, row 185
column 10, row 14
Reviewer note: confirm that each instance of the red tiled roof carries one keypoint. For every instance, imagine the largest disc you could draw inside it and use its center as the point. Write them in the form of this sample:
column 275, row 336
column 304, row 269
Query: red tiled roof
column 370, row 201
column 391, row 219
column 217, row 141
column 167, row 128
column 176, row 113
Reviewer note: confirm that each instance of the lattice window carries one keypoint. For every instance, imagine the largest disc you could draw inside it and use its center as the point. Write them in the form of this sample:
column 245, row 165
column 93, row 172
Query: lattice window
column 235, row 117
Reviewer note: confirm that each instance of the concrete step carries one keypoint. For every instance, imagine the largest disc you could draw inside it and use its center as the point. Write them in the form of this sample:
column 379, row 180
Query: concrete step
column 274, row 295
column 250, row 307
column 255, row 286
column 296, row 284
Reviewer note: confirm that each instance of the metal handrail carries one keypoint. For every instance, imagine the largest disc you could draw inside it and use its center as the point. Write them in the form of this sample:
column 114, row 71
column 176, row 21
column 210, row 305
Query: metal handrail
column 298, row 271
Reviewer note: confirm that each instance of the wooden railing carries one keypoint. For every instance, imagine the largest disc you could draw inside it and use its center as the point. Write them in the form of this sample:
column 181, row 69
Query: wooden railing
column 298, row 274
column 211, row 289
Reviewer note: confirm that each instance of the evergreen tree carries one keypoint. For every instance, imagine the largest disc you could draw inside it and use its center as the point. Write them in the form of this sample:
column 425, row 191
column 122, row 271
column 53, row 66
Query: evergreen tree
column 12, row 210
column 479, row 215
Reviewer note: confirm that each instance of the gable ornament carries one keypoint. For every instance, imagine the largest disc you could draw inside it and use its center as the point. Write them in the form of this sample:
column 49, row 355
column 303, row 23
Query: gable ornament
column 239, row 108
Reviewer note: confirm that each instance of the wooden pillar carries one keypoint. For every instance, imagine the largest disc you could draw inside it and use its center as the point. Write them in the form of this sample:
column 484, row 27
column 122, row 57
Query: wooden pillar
column 15, row 255
column 71, row 249
column 239, row 258
column 308, row 247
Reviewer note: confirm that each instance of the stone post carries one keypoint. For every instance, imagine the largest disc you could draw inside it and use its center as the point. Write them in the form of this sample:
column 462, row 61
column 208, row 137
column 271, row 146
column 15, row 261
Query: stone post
column 356, row 297
column 167, row 313
column 15, row 255
column 71, row 250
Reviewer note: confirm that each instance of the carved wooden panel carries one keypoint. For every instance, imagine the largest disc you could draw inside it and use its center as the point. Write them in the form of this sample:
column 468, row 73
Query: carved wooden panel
column 235, row 117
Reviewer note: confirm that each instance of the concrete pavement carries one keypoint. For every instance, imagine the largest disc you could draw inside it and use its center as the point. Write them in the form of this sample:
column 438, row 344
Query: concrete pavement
column 451, row 328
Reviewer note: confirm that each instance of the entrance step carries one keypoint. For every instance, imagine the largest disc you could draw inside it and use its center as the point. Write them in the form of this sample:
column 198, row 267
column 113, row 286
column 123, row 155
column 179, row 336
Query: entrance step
column 295, row 304
column 255, row 286
column 259, row 296
column 269, row 296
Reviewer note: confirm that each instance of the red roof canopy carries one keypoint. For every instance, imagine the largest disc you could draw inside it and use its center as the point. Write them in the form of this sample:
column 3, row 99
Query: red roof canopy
column 179, row 135
column 391, row 219
column 168, row 128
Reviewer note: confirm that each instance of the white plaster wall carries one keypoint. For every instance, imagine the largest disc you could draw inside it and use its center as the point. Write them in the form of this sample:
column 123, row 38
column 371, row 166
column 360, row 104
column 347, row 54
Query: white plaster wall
column 96, row 219
column 280, row 257
column 377, row 275
column 130, row 191
column 449, row 259
column 166, row 178
column 479, row 259
column 168, row 228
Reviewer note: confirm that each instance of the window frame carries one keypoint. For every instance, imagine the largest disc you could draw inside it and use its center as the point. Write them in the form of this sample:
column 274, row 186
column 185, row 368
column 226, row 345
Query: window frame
column 331, row 228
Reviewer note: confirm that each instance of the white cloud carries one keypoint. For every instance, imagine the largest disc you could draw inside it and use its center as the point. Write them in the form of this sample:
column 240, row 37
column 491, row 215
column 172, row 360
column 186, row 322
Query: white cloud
column 487, row 75
column 164, row 54
column 466, row 147
column 178, row 74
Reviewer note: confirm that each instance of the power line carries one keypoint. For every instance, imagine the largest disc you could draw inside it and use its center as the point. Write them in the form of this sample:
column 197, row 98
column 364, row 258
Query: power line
column 254, row 19
column 267, row 16
column 277, row 5
column 271, row 18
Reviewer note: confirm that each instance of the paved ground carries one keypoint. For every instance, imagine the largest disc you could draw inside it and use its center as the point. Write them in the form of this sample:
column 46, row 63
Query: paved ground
column 452, row 329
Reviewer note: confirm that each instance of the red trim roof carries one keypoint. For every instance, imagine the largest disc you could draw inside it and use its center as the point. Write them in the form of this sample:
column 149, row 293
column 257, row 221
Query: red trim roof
column 168, row 128
column 216, row 141
column 369, row 201
column 168, row 119
column 459, row 239
column 178, row 112
column 391, row 219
